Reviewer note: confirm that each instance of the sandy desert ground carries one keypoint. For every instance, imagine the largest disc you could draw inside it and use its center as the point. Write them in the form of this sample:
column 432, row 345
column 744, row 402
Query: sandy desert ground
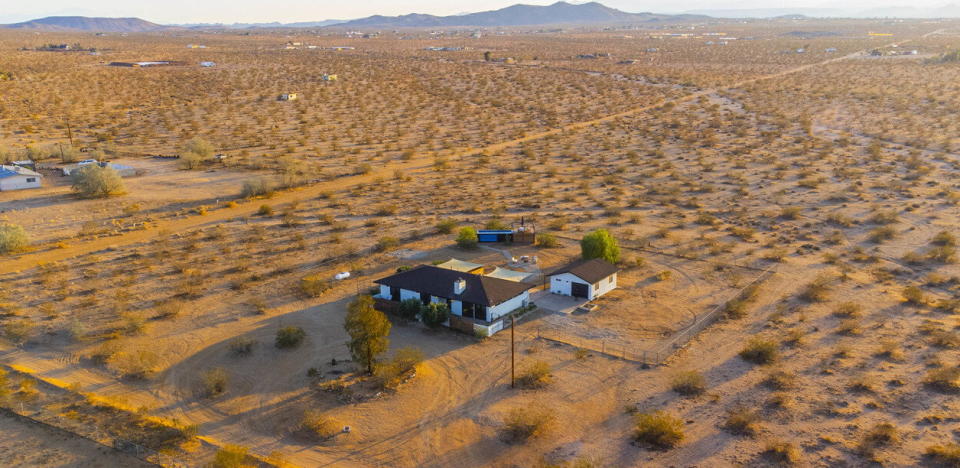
column 829, row 175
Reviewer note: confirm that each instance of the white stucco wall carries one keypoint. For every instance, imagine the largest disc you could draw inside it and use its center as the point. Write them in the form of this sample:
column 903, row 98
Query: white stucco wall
column 605, row 285
column 19, row 182
column 500, row 310
column 561, row 284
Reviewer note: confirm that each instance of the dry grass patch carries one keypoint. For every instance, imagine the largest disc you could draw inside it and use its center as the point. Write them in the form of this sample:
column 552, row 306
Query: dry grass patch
column 524, row 423
column 688, row 383
column 759, row 350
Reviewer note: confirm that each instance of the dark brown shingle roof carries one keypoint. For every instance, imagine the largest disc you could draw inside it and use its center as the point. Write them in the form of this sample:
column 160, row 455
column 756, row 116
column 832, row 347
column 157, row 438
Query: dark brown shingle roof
column 438, row 282
column 590, row 271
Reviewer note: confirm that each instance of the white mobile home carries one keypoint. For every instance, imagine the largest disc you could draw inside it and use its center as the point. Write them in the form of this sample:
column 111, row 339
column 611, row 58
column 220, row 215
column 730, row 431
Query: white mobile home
column 18, row 178
column 588, row 279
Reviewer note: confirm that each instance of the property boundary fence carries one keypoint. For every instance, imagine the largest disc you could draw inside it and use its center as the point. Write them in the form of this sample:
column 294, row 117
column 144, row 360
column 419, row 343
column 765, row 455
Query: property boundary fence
column 658, row 354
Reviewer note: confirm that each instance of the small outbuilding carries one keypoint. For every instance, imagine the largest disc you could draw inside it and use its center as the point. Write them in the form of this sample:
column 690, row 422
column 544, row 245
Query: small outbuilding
column 288, row 97
column 587, row 279
column 18, row 178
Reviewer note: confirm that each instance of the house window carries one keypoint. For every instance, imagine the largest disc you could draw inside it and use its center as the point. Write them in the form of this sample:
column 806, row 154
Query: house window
column 31, row 179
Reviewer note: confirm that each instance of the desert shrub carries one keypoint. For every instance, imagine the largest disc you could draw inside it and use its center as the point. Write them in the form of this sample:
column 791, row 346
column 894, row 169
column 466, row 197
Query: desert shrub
column 134, row 364
column 410, row 308
column 547, row 241
column 434, row 314
column 790, row 212
column 526, row 422
column 536, row 375
column 945, row 238
column 231, row 456
column 914, row 295
column 214, row 382
column 315, row 285
column 93, row 181
column 446, row 226
column 782, row 453
column 848, row 309
column 890, row 349
column 884, row 217
column 946, row 379
column 18, row 331
column 760, row 350
column 948, row 454
column 658, row 429
column 496, row 225
column 196, row 152
column 943, row 254
column 319, row 425
column 242, row 346
column 13, row 238
column 600, row 244
column 386, row 243
column 688, row 383
column 742, row 421
column 882, row 233
column 819, row 289
column 467, row 238
column 265, row 210
column 780, row 379
column 880, row 435
column 258, row 187
column 289, row 337
column 403, row 365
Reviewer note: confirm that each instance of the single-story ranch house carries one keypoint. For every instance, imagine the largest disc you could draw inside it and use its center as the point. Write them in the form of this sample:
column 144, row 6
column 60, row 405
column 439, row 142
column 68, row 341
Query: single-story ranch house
column 18, row 178
column 588, row 279
column 477, row 303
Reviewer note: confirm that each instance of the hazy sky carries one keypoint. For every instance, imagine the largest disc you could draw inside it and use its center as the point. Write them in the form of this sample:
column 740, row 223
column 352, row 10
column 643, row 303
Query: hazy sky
column 229, row 11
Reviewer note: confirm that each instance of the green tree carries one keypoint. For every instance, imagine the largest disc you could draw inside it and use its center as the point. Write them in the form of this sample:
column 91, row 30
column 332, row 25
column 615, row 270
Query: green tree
column 467, row 238
column 600, row 244
column 434, row 314
column 13, row 238
column 93, row 181
column 368, row 329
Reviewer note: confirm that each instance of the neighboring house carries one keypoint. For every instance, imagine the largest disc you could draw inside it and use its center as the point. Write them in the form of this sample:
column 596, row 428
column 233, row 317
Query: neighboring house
column 18, row 178
column 588, row 279
column 477, row 303
column 288, row 97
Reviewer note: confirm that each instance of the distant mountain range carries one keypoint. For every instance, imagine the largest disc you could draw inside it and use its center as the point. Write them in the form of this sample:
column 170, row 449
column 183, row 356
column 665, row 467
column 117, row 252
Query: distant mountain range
column 945, row 11
column 83, row 23
column 516, row 15
column 519, row 15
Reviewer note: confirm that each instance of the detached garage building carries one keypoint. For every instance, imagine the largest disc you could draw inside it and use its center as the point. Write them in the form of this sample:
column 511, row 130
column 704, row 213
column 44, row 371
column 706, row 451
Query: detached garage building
column 588, row 279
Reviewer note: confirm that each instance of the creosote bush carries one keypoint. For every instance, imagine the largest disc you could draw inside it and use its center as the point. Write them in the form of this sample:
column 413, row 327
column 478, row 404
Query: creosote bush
column 13, row 238
column 315, row 285
column 214, row 382
column 93, row 181
column 688, row 383
column 536, row 375
column 658, row 430
column 759, row 350
column 289, row 337
column 320, row 426
column 526, row 422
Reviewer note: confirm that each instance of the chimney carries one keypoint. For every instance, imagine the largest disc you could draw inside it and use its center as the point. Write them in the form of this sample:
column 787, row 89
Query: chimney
column 459, row 286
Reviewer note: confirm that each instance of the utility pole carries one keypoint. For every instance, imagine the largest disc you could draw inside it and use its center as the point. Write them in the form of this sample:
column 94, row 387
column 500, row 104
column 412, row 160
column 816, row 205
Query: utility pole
column 513, row 324
column 69, row 134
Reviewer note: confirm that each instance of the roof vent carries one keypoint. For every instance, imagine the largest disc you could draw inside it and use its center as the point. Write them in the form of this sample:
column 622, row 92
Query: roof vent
column 459, row 286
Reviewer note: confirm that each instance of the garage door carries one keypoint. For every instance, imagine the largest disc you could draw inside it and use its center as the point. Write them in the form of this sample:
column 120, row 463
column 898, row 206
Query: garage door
column 579, row 290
